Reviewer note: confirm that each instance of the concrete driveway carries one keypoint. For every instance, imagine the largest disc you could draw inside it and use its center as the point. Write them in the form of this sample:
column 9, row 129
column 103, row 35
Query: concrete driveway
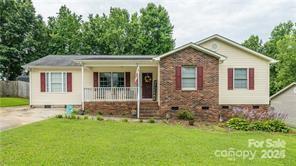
column 11, row 117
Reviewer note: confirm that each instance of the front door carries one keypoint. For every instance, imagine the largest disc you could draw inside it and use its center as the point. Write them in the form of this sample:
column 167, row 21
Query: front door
column 146, row 85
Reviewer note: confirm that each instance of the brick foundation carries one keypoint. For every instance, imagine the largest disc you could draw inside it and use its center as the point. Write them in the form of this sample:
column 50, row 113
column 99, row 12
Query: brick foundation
column 227, row 113
column 123, row 108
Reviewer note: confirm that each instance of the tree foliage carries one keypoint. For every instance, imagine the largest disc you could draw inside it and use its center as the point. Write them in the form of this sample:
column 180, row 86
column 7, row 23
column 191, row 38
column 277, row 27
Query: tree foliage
column 280, row 46
column 286, row 67
column 65, row 32
column 254, row 43
column 22, row 37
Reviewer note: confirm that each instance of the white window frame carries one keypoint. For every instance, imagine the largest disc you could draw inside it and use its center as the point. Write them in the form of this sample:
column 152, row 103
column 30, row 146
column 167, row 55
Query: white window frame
column 48, row 82
column 189, row 89
column 124, row 79
column 233, row 82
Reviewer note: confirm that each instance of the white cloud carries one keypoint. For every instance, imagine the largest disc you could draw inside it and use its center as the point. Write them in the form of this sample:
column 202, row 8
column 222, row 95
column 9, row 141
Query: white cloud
column 194, row 19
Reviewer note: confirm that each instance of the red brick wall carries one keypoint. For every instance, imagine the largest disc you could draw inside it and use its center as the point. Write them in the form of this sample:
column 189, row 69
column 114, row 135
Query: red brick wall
column 123, row 108
column 190, row 100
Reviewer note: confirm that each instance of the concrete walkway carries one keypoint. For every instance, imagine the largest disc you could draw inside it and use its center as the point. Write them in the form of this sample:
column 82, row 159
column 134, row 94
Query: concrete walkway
column 11, row 117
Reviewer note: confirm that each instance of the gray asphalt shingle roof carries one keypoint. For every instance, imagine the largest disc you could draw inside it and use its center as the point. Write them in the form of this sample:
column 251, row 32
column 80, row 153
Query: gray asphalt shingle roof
column 69, row 60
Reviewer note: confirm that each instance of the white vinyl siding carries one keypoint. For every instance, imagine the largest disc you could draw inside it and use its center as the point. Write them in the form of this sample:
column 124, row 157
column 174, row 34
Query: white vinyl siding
column 188, row 78
column 237, row 58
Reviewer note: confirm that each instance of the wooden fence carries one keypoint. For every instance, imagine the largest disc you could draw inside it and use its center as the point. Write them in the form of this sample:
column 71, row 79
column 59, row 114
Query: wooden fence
column 14, row 89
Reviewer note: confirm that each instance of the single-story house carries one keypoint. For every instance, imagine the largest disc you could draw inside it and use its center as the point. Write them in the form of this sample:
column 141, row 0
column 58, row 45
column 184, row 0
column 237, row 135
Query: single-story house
column 284, row 101
column 209, row 76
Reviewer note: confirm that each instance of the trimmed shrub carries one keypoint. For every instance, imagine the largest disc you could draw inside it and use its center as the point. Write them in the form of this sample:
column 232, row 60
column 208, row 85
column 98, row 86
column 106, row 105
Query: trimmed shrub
column 125, row 120
column 267, row 125
column 185, row 115
column 257, row 125
column 99, row 118
column 85, row 117
column 141, row 120
column 275, row 126
column 191, row 122
column 151, row 120
column 59, row 116
column 238, row 124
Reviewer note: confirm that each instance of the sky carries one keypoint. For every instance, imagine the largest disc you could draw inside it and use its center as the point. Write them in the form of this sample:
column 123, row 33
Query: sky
column 194, row 20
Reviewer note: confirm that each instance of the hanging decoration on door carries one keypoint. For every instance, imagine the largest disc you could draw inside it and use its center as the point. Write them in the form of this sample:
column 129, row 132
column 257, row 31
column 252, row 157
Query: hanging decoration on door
column 147, row 79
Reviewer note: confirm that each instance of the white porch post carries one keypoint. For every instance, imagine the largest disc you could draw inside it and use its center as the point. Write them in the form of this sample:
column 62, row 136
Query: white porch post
column 30, row 86
column 138, row 97
column 82, row 86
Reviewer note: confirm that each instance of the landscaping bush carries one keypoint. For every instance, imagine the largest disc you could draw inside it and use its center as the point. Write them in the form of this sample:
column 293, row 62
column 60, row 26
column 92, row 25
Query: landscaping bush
column 125, row 120
column 85, row 117
column 185, row 115
column 238, row 124
column 275, row 126
column 151, row 120
column 191, row 122
column 266, row 125
column 141, row 120
column 256, row 125
column 99, row 118
column 59, row 116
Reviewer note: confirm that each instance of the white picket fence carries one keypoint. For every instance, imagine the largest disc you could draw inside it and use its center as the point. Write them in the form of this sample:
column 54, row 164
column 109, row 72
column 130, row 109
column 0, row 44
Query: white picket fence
column 110, row 94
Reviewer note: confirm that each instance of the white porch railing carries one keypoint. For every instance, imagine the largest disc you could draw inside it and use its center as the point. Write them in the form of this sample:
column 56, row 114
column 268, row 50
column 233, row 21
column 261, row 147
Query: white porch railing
column 110, row 94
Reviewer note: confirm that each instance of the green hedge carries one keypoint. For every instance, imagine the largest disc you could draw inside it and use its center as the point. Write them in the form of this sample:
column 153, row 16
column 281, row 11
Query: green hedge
column 266, row 125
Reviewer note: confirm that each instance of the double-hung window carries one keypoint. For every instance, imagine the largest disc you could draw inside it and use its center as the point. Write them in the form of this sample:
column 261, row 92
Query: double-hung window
column 56, row 82
column 188, row 78
column 240, row 78
column 112, row 79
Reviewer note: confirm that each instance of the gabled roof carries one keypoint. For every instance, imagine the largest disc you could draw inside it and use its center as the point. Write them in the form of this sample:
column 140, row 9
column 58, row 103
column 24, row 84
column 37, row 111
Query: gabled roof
column 194, row 46
column 283, row 90
column 235, row 44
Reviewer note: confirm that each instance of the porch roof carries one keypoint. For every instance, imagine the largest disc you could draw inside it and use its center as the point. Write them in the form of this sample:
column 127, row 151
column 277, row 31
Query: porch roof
column 74, row 60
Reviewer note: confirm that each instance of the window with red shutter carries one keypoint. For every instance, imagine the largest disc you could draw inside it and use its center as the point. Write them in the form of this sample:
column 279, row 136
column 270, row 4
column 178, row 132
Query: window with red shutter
column 178, row 77
column 230, row 78
column 200, row 77
column 127, row 79
column 251, row 78
column 42, row 82
column 69, row 82
column 96, row 80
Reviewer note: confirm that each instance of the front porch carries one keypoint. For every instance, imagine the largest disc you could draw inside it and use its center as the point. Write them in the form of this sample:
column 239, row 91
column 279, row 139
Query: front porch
column 115, row 80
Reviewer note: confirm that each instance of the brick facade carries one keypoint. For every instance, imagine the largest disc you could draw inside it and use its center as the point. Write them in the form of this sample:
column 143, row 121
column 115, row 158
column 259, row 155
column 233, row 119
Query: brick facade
column 204, row 103
column 190, row 100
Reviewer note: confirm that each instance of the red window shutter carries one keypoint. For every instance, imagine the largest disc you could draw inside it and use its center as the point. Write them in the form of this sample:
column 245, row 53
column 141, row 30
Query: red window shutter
column 200, row 77
column 251, row 78
column 178, row 77
column 230, row 78
column 96, row 79
column 127, row 79
column 69, row 82
column 42, row 82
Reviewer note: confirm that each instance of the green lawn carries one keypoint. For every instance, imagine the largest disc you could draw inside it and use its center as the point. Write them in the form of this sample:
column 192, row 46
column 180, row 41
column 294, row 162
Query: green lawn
column 13, row 101
column 91, row 142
